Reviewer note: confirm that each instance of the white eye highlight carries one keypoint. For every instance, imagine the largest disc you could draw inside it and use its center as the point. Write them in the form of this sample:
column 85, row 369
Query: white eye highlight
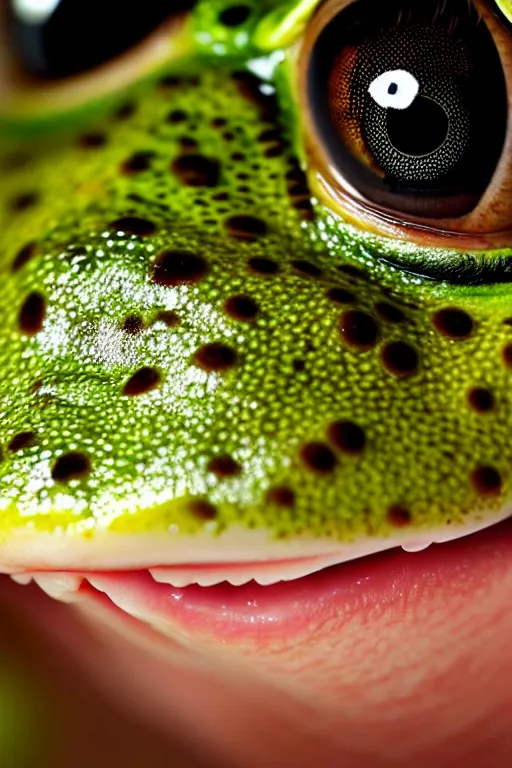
column 34, row 11
column 395, row 89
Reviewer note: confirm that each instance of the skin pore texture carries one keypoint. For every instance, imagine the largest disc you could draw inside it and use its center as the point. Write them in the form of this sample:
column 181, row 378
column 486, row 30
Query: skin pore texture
column 208, row 372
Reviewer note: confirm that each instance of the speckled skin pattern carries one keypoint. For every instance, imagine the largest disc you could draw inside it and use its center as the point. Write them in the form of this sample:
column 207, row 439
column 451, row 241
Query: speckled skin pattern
column 190, row 339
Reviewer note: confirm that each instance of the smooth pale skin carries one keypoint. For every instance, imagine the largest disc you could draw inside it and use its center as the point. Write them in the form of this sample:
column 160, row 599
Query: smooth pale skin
column 417, row 665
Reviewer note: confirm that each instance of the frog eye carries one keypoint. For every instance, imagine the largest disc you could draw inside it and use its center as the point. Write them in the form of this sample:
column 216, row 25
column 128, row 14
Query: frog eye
column 406, row 107
column 57, row 55
column 59, row 38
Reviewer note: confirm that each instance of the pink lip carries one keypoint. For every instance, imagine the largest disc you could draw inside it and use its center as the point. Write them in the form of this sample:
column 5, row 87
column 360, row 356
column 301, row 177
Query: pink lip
column 256, row 614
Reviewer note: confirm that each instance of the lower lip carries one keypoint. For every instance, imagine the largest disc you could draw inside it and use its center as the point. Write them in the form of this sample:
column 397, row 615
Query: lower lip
column 256, row 614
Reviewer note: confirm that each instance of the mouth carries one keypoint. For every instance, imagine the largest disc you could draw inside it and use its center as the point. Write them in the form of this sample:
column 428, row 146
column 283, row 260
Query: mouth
column 241, row 603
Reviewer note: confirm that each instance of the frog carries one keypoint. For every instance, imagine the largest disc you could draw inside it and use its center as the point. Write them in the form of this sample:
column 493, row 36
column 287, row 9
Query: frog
column 211, row 368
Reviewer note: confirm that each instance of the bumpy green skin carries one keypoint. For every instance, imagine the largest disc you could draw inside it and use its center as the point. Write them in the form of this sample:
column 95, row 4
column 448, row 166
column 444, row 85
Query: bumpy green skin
column 295, row 372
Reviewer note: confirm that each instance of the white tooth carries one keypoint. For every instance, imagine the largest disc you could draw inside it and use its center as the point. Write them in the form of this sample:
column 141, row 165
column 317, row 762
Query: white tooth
column 176, row 580
column 263, row 573
column 415, row 546
column 207, row 580
column 173, row 577
column 122, row 600
column 60, row 586
column 267, row 579
column 21, row 578
column 238, row 579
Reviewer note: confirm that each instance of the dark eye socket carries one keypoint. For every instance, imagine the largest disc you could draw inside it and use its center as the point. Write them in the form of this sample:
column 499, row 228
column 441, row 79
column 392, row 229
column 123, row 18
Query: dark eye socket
column 410, row 101
column 54, row 39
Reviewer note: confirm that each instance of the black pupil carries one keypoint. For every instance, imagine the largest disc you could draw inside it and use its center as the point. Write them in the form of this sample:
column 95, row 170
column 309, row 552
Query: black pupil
column 418, row 130
column 78, row 35
column 435, row 155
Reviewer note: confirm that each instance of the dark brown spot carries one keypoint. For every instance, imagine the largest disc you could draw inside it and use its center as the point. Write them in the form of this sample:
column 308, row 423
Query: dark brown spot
column 170, row 81
column 219, row 122
column 170, row 318
column 274, row 138
column 215, row 357
column 21, row 441
column 359, row 329
column 32, row 314
column 481, row 400
column 71, row 466
column 269, row 134
column 507, row 355
column 486, row 481
column 399, row 516
column 23, row 256
column 400, row 358
column 133, row 324
column 188, row 144
column 234, row 16
column 298, row 190
column 246, row 227
column 347, row 437
column 24, row 201
column 241, row 308
column 389, row 313
column 281, row 496
column 138, row 162
column 224, row 466
column 454, row 323
column 275, row 150
column 144, row 380
column 263, row 266
column 178, row 267
column 177, row 116
column 318, row 457
column 125, row 111
column 298, row 365
column 92, row 140
column 202, row 509
column 305, row 209
column 15, row 161
column 341, row 296
column 133, row 225
column 197, row 170
column 306, row 268
column 250, row 88
column 351, row 271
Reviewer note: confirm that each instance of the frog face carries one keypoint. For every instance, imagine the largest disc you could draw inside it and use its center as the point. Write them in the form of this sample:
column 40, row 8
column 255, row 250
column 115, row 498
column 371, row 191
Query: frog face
column 211, row 353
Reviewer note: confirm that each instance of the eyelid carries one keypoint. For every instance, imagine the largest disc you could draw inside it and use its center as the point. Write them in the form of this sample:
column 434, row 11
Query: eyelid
column 488, row 226
column 26, row 98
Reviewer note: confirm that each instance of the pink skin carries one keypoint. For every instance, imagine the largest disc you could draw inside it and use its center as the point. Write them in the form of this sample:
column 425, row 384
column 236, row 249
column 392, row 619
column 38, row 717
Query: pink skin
column 397, row 659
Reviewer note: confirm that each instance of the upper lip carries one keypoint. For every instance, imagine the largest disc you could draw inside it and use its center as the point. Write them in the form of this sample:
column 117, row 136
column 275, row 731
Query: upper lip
column 237, row 556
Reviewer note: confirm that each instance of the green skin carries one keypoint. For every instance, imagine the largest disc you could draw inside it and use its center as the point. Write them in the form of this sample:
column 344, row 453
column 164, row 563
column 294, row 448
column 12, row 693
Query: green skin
column 67, row 359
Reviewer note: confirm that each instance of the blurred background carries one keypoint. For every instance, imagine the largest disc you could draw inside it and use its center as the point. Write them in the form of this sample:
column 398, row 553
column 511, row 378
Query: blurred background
column 52, row 716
